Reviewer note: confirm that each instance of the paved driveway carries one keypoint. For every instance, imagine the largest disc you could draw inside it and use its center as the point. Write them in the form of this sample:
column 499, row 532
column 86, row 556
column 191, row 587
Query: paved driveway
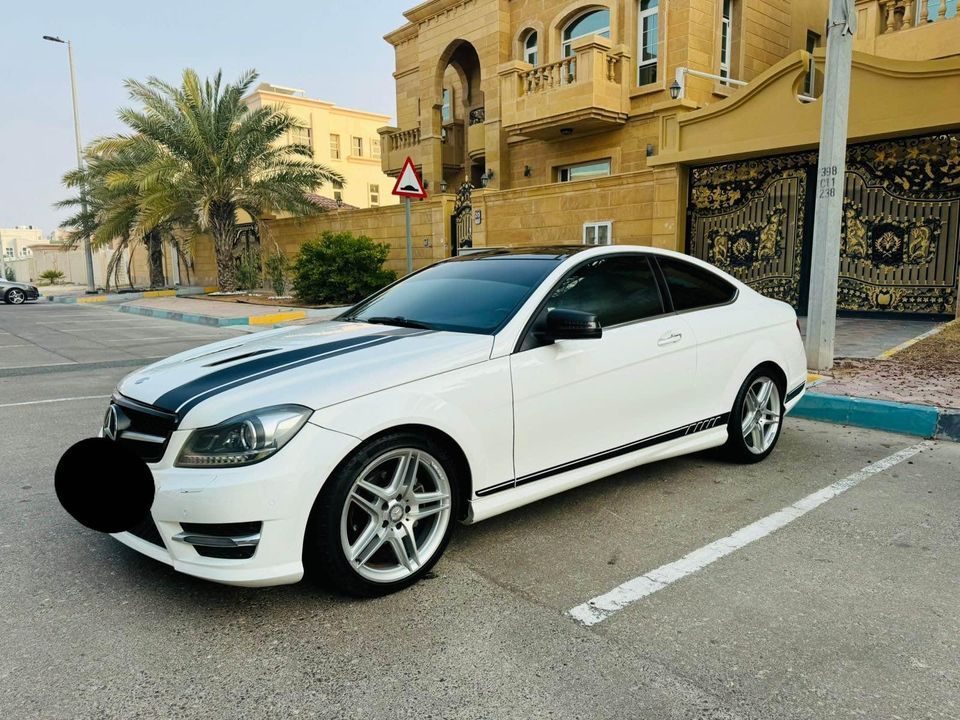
column 55, row 336
column 850, row 610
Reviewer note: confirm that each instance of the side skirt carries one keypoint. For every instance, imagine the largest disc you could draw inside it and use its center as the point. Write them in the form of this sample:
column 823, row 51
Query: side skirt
column 565, row 477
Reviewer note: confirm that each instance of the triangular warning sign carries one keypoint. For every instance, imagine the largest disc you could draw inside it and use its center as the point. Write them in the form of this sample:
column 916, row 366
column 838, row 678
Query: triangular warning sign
column 408, row 183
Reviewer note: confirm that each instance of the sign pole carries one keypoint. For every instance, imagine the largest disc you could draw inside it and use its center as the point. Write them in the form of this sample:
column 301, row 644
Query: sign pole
column 831, row 169
column 409, row 185
column 406, row 203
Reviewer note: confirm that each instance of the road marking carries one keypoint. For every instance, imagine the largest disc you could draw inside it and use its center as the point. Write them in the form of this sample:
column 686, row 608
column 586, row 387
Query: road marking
column 887, row 354
column 54, row 400
column 19, row 367
column 603, row 606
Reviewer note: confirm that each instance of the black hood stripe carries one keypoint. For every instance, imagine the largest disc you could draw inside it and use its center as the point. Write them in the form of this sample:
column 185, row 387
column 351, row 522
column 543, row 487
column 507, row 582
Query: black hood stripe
column 183, row 398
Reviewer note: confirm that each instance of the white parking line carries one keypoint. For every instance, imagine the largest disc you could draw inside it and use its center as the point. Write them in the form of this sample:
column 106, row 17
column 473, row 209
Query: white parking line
column 20, row 367
column 603, row 606
column 55, row 400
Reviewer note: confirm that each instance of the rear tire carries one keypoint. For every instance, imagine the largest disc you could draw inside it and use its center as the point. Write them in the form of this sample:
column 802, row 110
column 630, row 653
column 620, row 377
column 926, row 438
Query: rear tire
column 756, row 419
column 384, row 517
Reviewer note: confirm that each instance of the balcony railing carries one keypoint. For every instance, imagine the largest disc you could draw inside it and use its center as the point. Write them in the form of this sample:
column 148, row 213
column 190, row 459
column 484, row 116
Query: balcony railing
column 586, row 90
column 404, row 139
column 899, row 15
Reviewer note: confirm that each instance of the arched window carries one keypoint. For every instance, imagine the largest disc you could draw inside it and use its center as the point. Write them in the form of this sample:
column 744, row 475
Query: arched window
column 595, row 22
column 531, row 51
column 648, row 41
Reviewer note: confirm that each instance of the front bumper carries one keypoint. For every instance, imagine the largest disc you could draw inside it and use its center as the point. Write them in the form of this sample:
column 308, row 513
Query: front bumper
column 278, row 492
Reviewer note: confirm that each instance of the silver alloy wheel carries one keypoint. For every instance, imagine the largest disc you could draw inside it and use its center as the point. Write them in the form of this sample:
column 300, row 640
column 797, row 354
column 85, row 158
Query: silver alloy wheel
column 16, row 296
column 396, row 515
column 761, row 415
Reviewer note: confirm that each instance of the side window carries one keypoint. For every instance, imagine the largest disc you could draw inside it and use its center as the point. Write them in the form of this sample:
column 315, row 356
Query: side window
column 617, row 289
column 693, row 287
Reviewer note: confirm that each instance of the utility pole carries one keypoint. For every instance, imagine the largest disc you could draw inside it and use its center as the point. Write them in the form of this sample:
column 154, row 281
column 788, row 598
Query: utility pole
column 831, row 169
column 88, row 253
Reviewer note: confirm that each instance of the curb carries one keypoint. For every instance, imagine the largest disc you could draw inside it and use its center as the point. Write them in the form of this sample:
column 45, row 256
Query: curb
column 212, row 320
column 921, row 420
column 126, row 297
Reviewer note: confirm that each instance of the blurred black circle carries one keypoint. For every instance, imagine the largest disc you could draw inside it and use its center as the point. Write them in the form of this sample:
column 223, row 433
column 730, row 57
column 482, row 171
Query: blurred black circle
column 103, row 485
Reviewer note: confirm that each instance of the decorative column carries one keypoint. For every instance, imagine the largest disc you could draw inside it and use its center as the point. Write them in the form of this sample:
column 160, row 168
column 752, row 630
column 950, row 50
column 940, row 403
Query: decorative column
column 907, row 15
column 891, row 18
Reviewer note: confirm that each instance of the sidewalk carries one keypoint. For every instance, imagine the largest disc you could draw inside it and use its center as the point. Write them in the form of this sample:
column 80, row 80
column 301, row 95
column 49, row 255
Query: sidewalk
column 223, row 314
column 913, row 387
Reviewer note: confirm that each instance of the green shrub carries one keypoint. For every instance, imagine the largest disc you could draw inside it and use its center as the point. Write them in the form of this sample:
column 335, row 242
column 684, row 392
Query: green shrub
column 277, row 266
column 339, row 268
column 9, row 273
column 248, row 270
column 51, row 276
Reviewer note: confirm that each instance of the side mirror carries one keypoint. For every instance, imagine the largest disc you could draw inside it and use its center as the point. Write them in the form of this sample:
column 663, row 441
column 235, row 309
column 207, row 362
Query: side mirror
column 572, row 325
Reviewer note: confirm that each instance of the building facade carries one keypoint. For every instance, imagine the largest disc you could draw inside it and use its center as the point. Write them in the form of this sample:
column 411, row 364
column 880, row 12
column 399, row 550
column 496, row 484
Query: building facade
column 16, row 242
column 691, row 125
column 563, row 102
column 344, row 140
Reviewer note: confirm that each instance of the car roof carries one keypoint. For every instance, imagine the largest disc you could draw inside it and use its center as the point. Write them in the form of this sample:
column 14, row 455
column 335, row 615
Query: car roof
column 557, row 252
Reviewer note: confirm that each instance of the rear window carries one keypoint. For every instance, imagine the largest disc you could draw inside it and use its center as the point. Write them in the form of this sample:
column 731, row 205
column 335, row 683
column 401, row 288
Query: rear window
column 694, row 287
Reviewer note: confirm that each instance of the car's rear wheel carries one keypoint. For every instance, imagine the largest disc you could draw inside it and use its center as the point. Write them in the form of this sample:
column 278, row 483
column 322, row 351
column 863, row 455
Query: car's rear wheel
column 15, row 296
column 756, row 419
column 384, row 517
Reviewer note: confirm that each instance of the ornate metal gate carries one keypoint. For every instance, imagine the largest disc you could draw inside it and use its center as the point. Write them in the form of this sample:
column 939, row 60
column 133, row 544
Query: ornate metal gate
column 461, row 222
column 901, row 232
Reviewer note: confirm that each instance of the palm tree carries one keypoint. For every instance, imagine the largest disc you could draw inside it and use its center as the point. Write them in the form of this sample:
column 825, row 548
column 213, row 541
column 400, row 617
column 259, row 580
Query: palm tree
column 204, row 155
column 106, row 209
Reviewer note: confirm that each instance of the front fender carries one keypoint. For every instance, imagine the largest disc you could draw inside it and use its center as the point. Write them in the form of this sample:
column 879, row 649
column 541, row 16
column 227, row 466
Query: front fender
column 473, row 405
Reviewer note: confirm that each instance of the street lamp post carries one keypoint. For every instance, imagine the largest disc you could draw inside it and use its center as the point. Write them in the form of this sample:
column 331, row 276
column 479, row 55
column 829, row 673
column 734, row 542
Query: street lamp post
column 91, row 284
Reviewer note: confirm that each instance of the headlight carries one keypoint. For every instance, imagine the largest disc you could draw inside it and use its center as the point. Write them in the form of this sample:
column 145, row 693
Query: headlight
column 244, row 439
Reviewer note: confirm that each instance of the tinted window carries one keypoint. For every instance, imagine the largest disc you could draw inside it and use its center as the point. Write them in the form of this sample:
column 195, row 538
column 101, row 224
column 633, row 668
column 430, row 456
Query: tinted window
column 616, row 289
column 477, row 295
column 693, row 287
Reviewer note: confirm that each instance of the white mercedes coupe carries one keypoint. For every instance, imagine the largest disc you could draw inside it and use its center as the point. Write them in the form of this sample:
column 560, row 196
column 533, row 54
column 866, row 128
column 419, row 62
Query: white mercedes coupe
column 348, row 449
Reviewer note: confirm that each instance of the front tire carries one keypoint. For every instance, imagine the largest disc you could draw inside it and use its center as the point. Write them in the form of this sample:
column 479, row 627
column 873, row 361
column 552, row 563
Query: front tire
column 756, row 419
column 15, row 296
column 384, row 517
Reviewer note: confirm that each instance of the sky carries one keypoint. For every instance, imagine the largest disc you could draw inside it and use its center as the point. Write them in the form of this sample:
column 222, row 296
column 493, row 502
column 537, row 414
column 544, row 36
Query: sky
column 334, row 50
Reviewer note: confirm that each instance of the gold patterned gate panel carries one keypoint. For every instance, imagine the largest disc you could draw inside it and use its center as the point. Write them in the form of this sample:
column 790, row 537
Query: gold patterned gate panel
column 900, row 244
column 900, row 236
column 748, row 218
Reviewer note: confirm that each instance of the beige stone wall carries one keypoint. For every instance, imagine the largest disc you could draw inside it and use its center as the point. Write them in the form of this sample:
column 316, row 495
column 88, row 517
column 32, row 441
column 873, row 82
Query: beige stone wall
column 642, row 207
column 429, row 222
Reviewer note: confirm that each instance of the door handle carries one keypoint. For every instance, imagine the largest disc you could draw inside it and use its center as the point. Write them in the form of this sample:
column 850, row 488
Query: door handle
column 670, row 338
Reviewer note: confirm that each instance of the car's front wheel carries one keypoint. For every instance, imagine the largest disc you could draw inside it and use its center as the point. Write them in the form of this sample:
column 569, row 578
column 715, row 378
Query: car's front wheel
column 15, row 296
column 384, row 517
column 756, row 419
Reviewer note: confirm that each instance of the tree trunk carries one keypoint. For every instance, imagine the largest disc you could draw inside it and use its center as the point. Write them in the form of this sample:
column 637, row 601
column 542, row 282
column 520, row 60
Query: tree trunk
column 223, row 230
column 154, row 243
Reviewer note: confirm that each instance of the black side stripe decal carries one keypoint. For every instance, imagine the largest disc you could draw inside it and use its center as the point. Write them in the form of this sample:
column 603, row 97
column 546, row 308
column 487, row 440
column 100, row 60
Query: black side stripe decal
column 182, row 399
column 796, row 391
column 700, row 426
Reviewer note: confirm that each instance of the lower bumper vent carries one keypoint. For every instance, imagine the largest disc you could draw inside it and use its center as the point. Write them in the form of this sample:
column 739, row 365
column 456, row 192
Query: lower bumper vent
column 228, row 541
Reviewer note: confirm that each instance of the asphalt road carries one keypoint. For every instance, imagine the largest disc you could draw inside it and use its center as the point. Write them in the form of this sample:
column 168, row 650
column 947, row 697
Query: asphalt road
column 851, row 610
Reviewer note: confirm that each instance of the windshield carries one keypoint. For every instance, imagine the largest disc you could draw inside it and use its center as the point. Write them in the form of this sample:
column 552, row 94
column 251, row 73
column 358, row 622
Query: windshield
column 476, row 296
